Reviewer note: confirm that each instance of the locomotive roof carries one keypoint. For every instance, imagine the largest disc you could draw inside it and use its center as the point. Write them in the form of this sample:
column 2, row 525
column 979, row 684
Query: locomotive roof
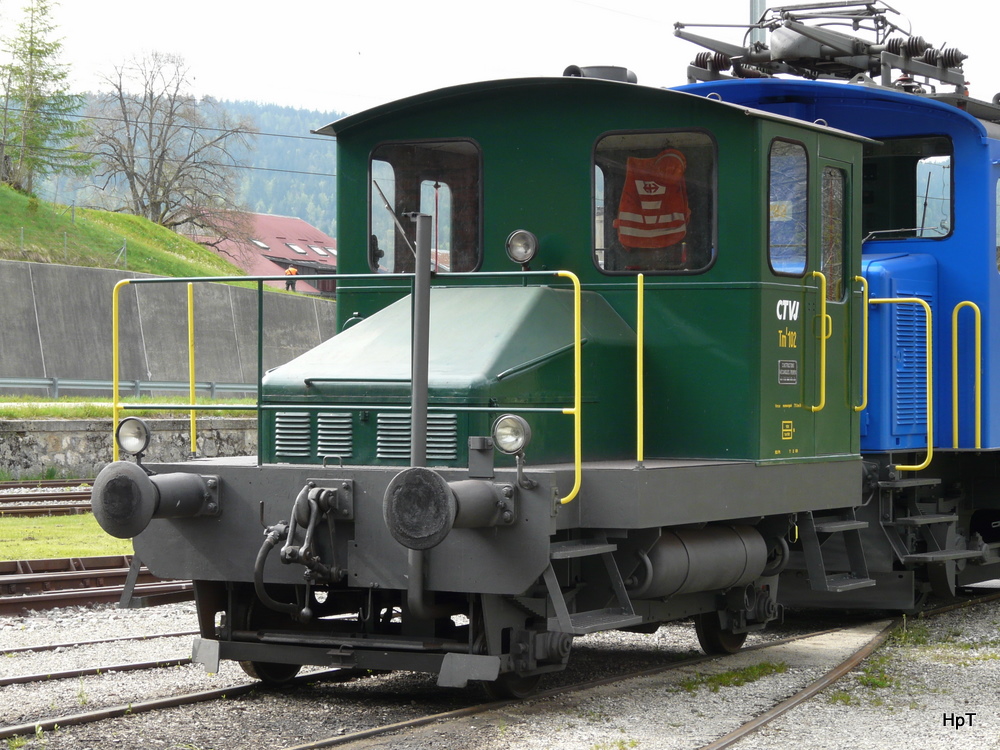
column 592, row 86
column 959, row 108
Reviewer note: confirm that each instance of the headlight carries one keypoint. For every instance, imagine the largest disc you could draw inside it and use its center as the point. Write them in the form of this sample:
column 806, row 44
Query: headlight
column 132, row 435
column 522, row 246
column 511, row 434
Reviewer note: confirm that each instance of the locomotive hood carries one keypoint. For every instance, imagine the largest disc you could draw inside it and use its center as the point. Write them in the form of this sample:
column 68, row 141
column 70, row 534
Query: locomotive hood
column 502, row 347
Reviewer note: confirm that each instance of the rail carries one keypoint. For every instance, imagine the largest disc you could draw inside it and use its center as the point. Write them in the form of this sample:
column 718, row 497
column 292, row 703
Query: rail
column 640, row 379
column 826, row 329
column 575, row 410
column 978, row 376
column 136, row 387
column 929, row 363
column 864, row 344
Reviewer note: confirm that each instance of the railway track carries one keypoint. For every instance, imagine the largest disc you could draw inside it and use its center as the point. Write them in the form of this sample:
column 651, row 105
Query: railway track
column 373, row 730
column 45, row 497
column 48, row 584
column 452, row 727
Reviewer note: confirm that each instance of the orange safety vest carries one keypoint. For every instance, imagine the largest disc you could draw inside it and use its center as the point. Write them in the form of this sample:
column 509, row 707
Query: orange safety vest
column 291, row 271
column 653, row 211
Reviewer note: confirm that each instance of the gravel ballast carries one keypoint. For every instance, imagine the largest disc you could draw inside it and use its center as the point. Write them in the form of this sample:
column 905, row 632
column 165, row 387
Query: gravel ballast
column 934, row 686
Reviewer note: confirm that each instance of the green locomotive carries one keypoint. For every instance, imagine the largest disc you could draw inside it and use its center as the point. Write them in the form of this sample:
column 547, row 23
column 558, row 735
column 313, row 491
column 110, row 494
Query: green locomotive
column 599, row 363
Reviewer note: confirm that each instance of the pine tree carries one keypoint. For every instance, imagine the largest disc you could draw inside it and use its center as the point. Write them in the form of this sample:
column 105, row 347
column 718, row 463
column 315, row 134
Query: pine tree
column 39, row 124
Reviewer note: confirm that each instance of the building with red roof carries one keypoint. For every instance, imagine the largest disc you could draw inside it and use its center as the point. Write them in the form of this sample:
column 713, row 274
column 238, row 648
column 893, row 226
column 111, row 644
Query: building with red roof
column 280, row 242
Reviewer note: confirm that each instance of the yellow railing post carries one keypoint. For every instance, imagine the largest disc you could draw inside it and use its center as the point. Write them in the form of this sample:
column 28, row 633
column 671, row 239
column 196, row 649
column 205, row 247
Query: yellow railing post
column 978, row 376
column 864, row 343
column 115, row 367
column 930, row 373
column 577, row 387
column 192, row 391
column 826, row 330
column 640, row 383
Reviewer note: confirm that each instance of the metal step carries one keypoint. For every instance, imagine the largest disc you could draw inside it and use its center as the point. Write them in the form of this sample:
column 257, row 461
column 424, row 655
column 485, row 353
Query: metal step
column 841, row 582
column 839, row 524
column 583, row 623
column 924, row 520
column 900, row 484
column 579, row 548
column 941, row 556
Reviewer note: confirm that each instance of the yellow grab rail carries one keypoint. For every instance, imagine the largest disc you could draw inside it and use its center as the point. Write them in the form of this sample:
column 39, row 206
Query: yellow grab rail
column 864, row 344
column 191, row 389
column 979, row 373
column 574, row 411
column 577, row 386
column 826, row 330
column 115, row 366
column 640, row 382
column 930, row 373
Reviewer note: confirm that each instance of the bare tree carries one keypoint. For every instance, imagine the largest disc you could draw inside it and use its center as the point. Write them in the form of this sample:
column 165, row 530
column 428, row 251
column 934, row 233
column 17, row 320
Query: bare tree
column 166, row 155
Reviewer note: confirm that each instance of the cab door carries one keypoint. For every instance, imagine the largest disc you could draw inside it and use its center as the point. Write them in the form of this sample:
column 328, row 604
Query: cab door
column 809, row 258
column 833, row 343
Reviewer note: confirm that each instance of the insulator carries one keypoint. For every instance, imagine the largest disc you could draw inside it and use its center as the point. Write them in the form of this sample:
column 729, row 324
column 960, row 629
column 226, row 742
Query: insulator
column 930, row 56
column 746, row 71
column 951, row 57
column 712, row 61
column 913, row 46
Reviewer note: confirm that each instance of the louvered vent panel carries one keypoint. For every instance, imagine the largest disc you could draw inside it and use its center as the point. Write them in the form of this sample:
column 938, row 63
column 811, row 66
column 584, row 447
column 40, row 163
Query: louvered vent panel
column 292, row 435
column 334, row 436
column 910, row 370
column 394, row 436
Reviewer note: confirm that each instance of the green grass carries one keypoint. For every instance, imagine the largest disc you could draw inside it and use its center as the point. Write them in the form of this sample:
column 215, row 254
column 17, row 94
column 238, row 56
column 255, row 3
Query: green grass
column 33, row 230
column 98, row 407
column 57, row 537
column 875, row 673
column 734, row 677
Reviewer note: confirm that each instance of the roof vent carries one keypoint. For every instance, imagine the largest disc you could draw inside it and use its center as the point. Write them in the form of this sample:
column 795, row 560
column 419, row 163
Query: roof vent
column 607, row 72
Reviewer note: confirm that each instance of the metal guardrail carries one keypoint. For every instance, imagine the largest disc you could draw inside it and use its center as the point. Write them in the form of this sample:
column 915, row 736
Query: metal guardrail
column 136, row 387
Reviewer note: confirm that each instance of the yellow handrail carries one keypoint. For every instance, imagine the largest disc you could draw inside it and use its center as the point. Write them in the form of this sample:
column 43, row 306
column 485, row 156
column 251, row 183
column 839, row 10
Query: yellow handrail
column 577, row 388
column 979, row 373
column 640, row 382
column 825, row 333
column 115, row 399
column 930, row 373
column 575, row 411
column 864, row 344
column 191, row 389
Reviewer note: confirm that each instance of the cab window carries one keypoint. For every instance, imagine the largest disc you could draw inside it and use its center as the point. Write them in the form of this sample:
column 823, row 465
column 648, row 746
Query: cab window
column 438, row 178
column 998, row 224
column 907, row 188
column 788, row 226
column 654, row 202
column 833, row 232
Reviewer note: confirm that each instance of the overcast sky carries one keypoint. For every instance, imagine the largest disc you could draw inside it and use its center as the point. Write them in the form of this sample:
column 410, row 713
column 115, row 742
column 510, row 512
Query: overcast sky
column 348, row 55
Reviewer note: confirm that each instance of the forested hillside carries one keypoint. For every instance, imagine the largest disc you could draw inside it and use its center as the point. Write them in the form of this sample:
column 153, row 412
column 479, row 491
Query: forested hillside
column 293, row 172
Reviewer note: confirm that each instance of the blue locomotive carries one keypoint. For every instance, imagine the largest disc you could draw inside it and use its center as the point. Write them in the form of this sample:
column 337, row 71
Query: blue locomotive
column 930, row 219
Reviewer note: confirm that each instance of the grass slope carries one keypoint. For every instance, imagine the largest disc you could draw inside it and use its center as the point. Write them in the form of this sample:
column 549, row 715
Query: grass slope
column 33, row 230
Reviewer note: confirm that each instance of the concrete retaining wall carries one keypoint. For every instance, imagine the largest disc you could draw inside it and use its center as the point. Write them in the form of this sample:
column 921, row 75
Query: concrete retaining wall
column 57, row 322
column 80, row 448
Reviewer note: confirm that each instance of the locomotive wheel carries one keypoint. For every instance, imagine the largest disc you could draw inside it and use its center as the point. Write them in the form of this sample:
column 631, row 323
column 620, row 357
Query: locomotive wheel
column 510, row 685
column 271, row 673
column 713, row 639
